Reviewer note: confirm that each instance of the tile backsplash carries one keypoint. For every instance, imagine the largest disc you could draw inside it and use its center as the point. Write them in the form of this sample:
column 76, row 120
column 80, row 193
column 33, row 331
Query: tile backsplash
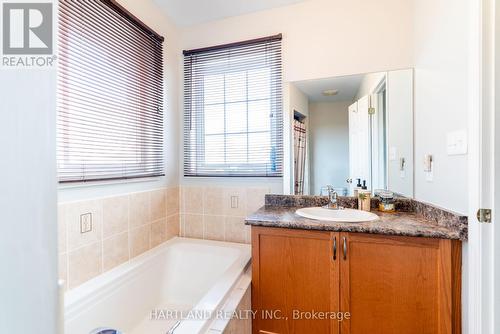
column 122, row 227
column 218, row 213
column 128, row 225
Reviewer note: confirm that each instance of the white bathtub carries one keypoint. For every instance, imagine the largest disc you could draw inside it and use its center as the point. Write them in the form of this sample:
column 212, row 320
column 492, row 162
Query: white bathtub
column 182, row 274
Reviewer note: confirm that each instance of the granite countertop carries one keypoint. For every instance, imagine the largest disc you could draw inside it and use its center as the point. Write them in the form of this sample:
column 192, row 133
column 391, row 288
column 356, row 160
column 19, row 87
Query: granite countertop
column 417, row 219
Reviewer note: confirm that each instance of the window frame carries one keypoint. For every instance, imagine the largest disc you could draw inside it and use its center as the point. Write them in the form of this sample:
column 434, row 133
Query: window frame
column 130, row 170
column 231, row 169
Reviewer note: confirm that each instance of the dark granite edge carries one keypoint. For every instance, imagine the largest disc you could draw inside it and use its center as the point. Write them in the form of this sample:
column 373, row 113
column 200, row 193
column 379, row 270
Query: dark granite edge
column 354, row 229
column 437, row 215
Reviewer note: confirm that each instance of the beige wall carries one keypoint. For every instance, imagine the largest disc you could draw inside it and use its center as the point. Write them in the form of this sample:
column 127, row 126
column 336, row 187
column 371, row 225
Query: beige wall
column 323, row 38
column 329, row 144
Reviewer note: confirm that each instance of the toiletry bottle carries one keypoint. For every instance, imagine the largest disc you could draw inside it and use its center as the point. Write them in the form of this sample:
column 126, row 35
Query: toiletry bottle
column 357, row 188
column 364, row 198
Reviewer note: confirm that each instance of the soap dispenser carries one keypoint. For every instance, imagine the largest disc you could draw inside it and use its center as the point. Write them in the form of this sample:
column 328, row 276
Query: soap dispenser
column 357, row 188
column 364, row 198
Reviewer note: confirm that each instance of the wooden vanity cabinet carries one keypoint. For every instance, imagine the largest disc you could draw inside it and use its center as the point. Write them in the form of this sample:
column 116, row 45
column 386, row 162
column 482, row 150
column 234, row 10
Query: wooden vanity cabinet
column 292, row 270
column 388, row 284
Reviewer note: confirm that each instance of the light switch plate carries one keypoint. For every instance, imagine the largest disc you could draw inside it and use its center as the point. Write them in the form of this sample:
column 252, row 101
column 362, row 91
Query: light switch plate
column 234, row 202
column 86, row 223
column 393, row 153
column 428, row 163
column 456, row 142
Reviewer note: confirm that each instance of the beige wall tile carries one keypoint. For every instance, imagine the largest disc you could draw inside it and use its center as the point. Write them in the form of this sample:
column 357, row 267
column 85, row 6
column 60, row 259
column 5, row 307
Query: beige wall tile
column 140, row 240
column 243, row 325
column 72, row 214
column 84, row 263
column 61, row 228
column 173, row 226
column 240, row 208
column 213, row 201
column 214, row 227
column 158, row 232
column 158, row 204
column 235, row 229
column 193, row 226
column 173, row 204
column 114, row 215
column 140, row 209
column 115, row 251
column 256, row 198
column 63, row 267
column 192, row 199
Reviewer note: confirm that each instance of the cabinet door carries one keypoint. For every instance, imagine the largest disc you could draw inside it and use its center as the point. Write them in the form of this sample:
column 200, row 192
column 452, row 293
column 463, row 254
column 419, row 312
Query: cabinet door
column 294, row 271
column 394, row 285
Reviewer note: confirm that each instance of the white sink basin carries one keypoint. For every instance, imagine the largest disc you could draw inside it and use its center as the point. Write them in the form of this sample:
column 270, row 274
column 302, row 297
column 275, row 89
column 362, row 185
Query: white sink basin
column 340, row 216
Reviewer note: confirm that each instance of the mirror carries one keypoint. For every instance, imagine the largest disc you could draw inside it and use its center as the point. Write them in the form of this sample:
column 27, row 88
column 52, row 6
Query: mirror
column 353, row 128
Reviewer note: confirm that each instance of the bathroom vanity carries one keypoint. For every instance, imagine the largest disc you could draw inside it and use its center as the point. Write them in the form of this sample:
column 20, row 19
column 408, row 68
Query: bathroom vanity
column 399, row 274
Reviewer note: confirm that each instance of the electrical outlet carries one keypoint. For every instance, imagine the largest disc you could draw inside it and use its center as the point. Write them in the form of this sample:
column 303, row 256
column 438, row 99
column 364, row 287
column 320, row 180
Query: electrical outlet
column 234, row 202
column 86, row 223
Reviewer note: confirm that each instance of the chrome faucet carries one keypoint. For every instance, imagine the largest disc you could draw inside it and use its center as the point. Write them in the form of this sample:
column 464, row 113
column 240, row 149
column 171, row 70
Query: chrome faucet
column 332, row 199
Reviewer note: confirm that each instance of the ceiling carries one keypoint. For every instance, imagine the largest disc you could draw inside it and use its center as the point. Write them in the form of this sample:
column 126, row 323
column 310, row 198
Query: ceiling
column 347, row 87
column 189, row 12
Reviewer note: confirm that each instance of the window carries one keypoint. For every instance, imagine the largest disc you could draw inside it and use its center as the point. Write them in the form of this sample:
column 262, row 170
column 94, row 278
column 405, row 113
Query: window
column 233, row 118
column 110, row 94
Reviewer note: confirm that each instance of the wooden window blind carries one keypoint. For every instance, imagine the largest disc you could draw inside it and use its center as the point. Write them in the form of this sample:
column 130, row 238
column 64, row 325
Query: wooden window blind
column 233, row 109
column 110, row 94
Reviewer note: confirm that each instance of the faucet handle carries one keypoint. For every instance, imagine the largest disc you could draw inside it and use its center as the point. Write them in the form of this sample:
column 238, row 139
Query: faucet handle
column 325, row 190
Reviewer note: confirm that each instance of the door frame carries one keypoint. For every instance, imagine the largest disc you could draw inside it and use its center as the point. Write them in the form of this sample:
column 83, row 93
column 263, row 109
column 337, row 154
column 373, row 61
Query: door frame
column 480, row 315
column 375, row 130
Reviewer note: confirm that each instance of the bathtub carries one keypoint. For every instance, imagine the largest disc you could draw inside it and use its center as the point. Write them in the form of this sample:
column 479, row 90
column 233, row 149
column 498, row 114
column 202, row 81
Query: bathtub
column 181, row 286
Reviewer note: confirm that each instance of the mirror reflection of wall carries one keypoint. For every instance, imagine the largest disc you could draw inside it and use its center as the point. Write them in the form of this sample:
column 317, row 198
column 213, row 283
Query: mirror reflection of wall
column 357, row 127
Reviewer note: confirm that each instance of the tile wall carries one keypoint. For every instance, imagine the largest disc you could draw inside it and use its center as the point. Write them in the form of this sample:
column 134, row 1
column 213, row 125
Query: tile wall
column 126, row 226
column 123, row 227
column 218, row 213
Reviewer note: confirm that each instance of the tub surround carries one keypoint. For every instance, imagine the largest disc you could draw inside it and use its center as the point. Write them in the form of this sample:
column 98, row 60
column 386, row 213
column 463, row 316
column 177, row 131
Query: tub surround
column 180, row 275
column 123, row 227
column 218, row 213
column 127, row 225
column 413, row 218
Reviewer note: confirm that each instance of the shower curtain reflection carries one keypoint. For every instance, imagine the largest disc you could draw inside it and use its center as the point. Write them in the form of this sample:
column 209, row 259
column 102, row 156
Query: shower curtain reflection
column 299, row 135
